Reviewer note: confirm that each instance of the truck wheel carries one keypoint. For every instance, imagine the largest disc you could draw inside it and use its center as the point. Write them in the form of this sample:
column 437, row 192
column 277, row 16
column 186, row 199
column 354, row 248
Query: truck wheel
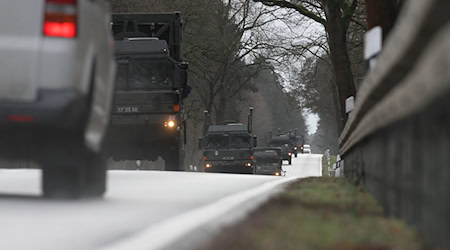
column 172, row 163
column 295, row 154
column 175, row 160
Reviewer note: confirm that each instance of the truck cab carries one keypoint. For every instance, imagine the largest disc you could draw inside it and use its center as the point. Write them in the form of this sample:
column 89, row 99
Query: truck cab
column 228, row 148
column 148, row 115
column 283, row 142
column 268, row 161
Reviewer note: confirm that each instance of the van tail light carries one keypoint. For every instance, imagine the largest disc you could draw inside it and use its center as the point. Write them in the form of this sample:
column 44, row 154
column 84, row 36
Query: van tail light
column 60, row 18
column 20, row 118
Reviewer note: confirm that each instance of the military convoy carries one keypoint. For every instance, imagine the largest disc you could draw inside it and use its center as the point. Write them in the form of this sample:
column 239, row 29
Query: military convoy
column 228, row 147
column 148, row 118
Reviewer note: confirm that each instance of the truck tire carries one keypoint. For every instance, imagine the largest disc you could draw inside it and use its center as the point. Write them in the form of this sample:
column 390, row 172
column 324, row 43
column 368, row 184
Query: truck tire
column 174, row 159
column 295, row 154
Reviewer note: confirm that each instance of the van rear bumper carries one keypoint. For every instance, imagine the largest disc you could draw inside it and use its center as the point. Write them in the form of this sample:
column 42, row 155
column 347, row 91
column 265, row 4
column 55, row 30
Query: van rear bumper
column 65, row 109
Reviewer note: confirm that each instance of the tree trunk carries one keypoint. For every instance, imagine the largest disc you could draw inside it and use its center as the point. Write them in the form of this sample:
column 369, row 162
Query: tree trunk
column 337, row 42
column 337, row 109
column 221, row 109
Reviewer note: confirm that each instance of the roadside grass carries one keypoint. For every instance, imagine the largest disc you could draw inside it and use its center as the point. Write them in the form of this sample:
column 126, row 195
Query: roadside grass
column 325, row 163
column 318, row 213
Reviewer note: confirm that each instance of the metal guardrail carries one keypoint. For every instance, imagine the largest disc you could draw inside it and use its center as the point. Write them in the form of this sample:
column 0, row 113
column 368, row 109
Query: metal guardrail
column 421, row 24
column 397, row 139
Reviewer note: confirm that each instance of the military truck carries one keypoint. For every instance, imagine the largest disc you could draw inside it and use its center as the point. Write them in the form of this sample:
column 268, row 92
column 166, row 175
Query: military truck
column 282, row 141
column 297, row 142
column 268, row 161
column 300, row 143
column 148, row 115
column 228, row 148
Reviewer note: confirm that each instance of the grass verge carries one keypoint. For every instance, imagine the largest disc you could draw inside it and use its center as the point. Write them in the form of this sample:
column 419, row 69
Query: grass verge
column 318, row 213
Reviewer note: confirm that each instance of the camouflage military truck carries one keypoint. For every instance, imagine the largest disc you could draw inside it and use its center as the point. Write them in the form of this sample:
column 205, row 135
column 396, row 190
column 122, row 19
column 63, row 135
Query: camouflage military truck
column 282, row 141
column 268, row 161
column 228, row 148
column 147, row 117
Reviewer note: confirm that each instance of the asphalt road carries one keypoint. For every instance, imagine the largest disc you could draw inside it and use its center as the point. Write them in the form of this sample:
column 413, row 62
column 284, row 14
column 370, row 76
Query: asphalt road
column 137, row 202
column 305, row 165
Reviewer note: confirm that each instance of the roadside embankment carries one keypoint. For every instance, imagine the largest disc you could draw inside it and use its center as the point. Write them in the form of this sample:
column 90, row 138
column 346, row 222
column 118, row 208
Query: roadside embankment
column 318, row 213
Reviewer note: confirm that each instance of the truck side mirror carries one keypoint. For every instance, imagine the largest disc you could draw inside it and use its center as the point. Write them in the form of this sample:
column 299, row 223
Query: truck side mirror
column 200, row 143
column 255, row 141
column 184, row 66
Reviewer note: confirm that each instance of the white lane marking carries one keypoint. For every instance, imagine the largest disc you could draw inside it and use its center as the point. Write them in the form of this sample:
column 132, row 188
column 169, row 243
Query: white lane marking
column 167, row 232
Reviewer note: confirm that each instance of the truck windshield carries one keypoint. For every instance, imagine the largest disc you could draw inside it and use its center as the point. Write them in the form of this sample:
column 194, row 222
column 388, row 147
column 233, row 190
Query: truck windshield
column 266, row 157
column 278, row 143
column 266, row 160
column 225, row 141
column 144, row 74
column 217, row 142
column 240, row 141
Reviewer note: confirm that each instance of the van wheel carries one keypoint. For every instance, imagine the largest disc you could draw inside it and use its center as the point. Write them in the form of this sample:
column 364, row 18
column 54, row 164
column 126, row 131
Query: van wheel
column 95, row 175
column 62, row 183
column 71, row 171
column 88, row 179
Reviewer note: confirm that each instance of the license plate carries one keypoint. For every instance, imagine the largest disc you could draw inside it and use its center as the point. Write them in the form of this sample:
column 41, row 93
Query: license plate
column 127, row 109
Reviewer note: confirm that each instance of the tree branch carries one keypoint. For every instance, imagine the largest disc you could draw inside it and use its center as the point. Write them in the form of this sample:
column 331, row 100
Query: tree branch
column 297, row 7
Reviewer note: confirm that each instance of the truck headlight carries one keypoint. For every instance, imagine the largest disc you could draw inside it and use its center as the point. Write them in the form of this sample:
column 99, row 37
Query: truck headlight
column 208, row 165
column 169, row 124
column 248, row 164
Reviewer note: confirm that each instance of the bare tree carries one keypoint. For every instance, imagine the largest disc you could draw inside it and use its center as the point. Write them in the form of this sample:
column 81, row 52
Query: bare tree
column 335, row 16
column 223, row 62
